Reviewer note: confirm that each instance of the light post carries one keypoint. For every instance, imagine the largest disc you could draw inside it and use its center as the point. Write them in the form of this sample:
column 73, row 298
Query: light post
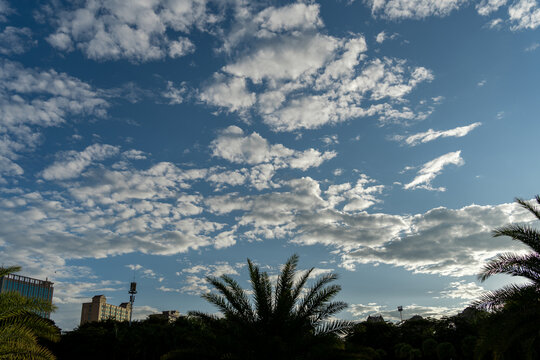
column 132, row 291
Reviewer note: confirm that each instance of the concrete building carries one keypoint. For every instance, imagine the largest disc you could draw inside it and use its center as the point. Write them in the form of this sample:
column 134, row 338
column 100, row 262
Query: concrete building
column 28, row 287
column 98, row 310
column 169, row 315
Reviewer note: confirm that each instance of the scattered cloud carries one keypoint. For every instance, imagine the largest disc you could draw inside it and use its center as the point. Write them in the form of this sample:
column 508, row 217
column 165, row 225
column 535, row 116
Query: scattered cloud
column 72, row 163
column 412, row 9
column 362, row 311
column 532, row 47
column 32, row 99
column 486, row 7
column 430, row 135
column 234, row 146
column 432, row 169
column 15, row 40
column 463, row 290
column 524, row 14
column 304, row 79
column 138, row 32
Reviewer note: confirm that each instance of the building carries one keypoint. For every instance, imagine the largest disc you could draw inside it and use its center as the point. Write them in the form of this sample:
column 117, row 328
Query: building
column 28, row 287
column 169, row 315
column 98, row 310
column 375, row 319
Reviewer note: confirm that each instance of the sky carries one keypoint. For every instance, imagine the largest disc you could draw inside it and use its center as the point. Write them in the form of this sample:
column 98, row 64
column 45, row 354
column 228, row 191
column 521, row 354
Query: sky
column 163, row 141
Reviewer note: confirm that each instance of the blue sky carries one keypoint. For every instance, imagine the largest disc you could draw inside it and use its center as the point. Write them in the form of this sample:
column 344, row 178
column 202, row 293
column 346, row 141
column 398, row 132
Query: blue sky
column 168, row 140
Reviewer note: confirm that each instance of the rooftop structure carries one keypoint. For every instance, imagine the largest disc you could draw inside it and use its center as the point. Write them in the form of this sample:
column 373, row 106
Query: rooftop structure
column 28, row 287
column 99, row 310
column 169, row 315
column 375, row 319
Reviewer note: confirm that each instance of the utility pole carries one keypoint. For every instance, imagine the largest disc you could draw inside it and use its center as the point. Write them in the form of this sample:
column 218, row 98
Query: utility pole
column 132, row 291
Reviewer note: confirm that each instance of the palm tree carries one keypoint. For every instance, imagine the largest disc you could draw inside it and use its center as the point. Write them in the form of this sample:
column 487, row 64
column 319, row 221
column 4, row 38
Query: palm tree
column 281, row 321
column 527, row 266
column 20, row 326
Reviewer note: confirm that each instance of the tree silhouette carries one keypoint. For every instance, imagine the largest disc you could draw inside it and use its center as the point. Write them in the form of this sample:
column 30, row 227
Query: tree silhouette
column 514, row 264
column 281, row 321
column 20, row 326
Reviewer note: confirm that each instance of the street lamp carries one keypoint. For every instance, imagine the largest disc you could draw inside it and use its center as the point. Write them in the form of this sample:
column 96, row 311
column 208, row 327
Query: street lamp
column 132, row 291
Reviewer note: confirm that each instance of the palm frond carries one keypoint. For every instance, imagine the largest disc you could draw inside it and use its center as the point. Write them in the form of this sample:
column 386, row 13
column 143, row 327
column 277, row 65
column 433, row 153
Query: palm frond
column 493, row 300
column 13, row 304
column 262, row 290
column 9, row 270
column 330, row 309
column 513, row 264
column 241, row 301
column 301, row 283
column 526, row 234
column 313, row 292
column 530, row 206
column 340, row 327
column 229, row 302
column 283, row 293
column 221, row 303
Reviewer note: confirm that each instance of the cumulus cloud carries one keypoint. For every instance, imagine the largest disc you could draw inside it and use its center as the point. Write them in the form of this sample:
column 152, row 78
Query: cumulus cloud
column 412, row 9
column 432, row 169
column 72, row 163
column 231, row 93
column 430, row 135
column 486, row 7
column 5, row 10
column 233, row 145
column 295, row 77
column 111, row 30
column 32, row 99
column 524, row 14
column 15, row 40
column 463, row 290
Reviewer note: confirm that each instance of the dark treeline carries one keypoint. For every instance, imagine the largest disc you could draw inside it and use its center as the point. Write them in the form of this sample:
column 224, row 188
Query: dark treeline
column 511, row 333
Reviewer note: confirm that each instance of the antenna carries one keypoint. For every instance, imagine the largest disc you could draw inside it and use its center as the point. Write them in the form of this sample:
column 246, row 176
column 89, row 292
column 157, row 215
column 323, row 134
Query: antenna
column 132, row 291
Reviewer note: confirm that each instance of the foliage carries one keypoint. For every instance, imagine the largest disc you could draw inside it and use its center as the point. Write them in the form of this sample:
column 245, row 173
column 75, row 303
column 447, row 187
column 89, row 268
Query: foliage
column 21, row 328
column 286, row 321
column 527, row 266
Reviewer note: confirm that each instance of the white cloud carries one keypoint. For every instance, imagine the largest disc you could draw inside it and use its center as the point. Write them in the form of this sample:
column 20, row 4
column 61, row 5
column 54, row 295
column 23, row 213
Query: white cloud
column 15, row 40
column 234, row 146
column 415, row 9
column 297, row 16
column 430, row 135
column 432, row 169
column 362, row 311
column 295, row 77
column 381, row 37
column 4, row 10
column 228, row 92
column 137, row 31
column 524, row 14
column 33, row 99
column 180, row 47
column 173, row 94
column 72, row 163
column 463, row 290
column 281, row 61
column 532, row 47
column 486, row 7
